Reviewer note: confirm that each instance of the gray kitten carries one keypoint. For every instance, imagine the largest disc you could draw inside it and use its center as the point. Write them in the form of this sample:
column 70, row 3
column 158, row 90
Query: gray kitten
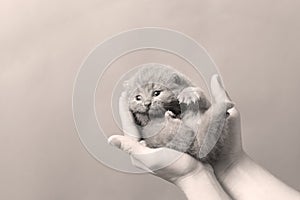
column 167, row 109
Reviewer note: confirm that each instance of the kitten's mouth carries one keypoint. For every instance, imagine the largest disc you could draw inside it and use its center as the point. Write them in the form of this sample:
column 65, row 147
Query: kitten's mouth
column 173, row 106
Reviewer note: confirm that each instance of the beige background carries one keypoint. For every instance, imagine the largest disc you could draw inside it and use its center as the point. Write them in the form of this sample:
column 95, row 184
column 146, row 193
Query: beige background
column 256, row 45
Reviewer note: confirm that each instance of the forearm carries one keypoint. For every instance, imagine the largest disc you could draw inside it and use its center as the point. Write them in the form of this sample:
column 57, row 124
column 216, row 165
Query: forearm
column 202, row 185
column 245, row 179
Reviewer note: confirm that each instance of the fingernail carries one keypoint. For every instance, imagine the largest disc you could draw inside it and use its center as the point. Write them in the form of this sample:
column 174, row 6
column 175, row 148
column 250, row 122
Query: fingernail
column 114, row 142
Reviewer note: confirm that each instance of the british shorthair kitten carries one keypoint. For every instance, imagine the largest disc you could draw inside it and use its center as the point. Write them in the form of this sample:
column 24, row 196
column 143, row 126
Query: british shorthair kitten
column 167, row 110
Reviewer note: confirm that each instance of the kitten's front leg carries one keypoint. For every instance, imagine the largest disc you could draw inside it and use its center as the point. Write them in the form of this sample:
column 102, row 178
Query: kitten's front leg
column 182, row 135
column 194, row 95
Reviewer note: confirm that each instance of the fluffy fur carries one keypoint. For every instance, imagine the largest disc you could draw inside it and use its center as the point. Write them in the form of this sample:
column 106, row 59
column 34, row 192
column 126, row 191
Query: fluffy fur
column 167, row 108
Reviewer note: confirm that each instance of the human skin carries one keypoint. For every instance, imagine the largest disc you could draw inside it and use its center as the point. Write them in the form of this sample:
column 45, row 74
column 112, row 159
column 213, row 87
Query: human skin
column 242, row 177
column 235, row 175
column 195, row 179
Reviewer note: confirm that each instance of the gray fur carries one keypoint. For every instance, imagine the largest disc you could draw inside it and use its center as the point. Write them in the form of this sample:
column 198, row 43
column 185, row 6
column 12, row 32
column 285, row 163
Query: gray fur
column 183, row 101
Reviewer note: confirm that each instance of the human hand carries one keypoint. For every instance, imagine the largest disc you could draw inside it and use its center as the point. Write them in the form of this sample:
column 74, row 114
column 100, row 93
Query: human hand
column 165, row 163
column 193, row 177
column 232, row 151
column 239, row 175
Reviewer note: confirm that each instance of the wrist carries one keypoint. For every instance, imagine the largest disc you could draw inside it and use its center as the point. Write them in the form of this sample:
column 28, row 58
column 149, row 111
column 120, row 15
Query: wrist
column 223, row 167
column 202, row 184
column 202, row 170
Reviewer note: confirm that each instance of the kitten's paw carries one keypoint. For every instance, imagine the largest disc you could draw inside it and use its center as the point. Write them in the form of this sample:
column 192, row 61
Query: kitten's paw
column 171, row 117
column 190, row 95
column 143, row 143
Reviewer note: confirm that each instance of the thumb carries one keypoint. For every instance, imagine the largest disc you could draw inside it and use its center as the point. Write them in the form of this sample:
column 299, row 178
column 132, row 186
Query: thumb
column 137, row 151
column 218, row 91
column 127, row 144
column 144, row 157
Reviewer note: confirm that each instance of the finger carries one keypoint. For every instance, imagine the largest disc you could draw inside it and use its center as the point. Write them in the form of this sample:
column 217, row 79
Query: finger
column 128, row 124
column 132, row 147
column 233, row 114
column 144, row 157
column 218, row 92
column 127, row 144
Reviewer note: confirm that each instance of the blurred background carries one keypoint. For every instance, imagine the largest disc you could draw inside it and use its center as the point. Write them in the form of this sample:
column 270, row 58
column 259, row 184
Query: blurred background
column 256, row 45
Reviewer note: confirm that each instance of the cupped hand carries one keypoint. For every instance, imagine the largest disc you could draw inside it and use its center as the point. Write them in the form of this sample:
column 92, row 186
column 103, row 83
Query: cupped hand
column 172, row 165
column 232, row 151
column 163, row 162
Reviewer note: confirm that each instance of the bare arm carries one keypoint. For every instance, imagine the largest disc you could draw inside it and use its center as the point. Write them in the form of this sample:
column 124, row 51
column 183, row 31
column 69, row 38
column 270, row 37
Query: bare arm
column 242, row 177
column 202, row 185
column 245, row 179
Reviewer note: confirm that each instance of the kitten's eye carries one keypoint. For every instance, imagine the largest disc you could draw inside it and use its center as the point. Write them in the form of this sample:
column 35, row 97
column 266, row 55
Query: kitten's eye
column 138, row 97
column 156, row 93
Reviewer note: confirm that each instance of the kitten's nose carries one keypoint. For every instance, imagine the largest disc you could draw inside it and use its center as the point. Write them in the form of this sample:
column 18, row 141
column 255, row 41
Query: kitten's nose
column 147, row 103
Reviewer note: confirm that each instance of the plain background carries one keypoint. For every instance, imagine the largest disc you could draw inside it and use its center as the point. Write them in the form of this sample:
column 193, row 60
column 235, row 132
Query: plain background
column 256, row 45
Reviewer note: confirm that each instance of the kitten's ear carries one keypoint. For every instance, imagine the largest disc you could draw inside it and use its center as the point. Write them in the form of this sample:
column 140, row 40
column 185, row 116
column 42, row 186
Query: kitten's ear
column 180, row 80
column 175, row 78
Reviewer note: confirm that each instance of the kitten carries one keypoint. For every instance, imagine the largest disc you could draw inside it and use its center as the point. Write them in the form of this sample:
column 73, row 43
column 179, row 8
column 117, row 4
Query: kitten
column 167, row 109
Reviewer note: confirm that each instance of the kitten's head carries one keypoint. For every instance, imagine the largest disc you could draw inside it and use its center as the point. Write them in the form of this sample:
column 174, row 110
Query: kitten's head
column 153, row 90
column 154, row 100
